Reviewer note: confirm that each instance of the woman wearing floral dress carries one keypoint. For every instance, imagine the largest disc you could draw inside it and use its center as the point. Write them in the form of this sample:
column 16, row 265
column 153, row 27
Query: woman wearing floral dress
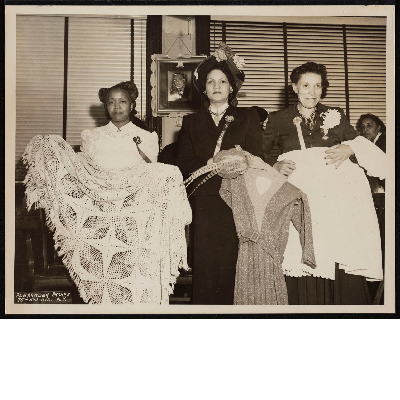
column 214, row 244
column 321, row 154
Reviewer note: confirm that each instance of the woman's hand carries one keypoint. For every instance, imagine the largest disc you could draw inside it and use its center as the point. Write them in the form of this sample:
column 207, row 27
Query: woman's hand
column 337, row 154
column 285, row 167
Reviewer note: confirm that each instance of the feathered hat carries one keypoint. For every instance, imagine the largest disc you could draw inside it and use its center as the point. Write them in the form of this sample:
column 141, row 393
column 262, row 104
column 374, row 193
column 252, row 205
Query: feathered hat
column 230, row 63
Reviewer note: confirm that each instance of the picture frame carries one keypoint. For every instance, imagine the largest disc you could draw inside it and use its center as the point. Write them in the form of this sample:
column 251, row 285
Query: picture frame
column 172, row 89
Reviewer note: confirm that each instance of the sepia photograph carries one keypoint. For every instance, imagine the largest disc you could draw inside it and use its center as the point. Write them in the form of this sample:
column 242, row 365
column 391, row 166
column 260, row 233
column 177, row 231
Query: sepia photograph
column 224, row 160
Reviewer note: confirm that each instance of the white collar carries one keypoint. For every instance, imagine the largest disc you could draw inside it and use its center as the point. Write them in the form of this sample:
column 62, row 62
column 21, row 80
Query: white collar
column 220, row 110
column 377, row 137
column 126, row 127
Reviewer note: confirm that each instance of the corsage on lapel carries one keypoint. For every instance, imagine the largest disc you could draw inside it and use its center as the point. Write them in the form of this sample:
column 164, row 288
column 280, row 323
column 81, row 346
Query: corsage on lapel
column 331, row 119
column 296, row 121
column 138, row 140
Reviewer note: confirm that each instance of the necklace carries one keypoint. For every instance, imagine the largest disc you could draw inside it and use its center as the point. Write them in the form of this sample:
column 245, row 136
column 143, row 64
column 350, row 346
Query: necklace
column 217, row 114
column 309, row 121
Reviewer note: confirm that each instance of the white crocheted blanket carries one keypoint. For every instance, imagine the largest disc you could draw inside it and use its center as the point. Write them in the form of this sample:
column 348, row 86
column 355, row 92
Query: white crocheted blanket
column 120, row 232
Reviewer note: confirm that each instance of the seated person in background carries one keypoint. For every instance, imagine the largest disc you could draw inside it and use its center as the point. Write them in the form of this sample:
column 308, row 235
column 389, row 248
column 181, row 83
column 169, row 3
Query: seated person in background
column 179, row 90
column 117, row 215
column 371, row 127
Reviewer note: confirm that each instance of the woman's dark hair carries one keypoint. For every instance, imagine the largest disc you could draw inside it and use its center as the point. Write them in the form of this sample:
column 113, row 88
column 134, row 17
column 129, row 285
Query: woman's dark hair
column 376, row 119
column 227, row 72
column 311, row 68
column 128, row 87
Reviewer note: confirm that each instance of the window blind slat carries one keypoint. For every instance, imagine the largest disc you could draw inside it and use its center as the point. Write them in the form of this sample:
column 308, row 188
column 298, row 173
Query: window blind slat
column 261, row 44
column 99, row 55
column 39, row 80
column 321, row 45
column 366, row 55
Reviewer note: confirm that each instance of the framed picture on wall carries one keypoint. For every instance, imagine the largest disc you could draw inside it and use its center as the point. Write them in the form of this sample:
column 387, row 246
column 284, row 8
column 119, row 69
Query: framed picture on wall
column 172, row 85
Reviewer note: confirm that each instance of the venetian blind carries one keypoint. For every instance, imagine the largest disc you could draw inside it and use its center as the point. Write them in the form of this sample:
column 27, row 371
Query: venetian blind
column 261, row 45
column 320, row 44
column 366, row 57
column 99, row 55
column 39, row 79
column 139, row 64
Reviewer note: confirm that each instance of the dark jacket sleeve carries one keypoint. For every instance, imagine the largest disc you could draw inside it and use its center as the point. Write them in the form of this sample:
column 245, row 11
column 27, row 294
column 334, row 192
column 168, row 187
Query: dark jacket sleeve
column 169, row 154
column 270, row 140
column 381, row 142
column 254, row 136
column 187, row 161
column 346, row 130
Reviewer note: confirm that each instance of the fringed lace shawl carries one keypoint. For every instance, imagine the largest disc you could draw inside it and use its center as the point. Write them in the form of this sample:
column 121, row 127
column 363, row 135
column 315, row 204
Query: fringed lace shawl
column 120, row 232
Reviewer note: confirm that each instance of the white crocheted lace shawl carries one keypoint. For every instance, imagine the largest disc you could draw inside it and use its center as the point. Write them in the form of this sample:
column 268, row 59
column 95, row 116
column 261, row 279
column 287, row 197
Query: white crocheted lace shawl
column 120, row 232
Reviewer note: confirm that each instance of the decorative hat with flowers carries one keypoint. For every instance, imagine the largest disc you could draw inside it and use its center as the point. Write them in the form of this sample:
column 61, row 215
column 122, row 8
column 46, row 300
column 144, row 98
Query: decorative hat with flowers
column 224, row 57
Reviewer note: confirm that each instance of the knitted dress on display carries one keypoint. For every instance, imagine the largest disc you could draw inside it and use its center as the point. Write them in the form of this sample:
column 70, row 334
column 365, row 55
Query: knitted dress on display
column 264, row 204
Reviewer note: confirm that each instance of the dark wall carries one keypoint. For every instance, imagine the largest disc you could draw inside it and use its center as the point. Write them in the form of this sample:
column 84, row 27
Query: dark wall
column 153, row 46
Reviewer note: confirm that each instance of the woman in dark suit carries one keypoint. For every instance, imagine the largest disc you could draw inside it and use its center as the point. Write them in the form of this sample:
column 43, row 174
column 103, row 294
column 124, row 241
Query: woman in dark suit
column 315, row 142
column 214, row 244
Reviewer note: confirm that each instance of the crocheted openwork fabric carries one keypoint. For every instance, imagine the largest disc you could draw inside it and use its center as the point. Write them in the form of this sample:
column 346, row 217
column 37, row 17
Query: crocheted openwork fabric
column 120, row 232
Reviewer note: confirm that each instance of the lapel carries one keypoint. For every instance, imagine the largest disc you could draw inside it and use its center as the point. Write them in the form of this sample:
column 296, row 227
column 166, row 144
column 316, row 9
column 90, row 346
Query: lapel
column 304, row 128
column 206, row 128
column 221, row 124
column 206, row 133
column 216, row 130
column 231, row 111
column 318, row 120
column 206, row 124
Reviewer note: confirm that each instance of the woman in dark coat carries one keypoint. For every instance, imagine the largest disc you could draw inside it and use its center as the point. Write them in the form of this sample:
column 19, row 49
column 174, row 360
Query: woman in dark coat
column 313, row 139
column 203, row 135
